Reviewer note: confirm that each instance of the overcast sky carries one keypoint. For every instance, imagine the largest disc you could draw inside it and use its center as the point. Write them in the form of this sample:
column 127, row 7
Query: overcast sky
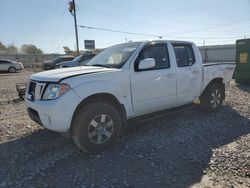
column 49, row 25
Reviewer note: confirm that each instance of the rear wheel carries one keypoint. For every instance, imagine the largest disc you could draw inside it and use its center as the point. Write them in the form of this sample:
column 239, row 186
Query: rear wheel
column 212, row 97
column 12, row 69
column 95, row 127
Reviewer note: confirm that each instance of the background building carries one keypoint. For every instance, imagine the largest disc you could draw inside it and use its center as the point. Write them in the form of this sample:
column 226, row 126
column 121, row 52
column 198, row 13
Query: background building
column 218, row 53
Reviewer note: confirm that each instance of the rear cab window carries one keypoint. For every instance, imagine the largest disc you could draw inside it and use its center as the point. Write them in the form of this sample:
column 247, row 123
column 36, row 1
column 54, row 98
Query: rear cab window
column 184, row 54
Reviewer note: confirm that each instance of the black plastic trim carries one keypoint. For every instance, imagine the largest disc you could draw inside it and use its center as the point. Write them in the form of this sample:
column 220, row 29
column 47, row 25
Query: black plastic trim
column 33, row 114
column 211, row 64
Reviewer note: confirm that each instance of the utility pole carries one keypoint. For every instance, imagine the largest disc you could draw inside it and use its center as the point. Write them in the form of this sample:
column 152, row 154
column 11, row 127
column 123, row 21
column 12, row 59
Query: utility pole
column 205, row 51
column 204, row 42
column 72, row 10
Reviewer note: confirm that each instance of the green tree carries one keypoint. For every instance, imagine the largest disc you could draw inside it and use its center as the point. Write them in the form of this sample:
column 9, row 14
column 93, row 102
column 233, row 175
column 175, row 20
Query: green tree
column 2, row 46
column 30, row 49
column 11, row 49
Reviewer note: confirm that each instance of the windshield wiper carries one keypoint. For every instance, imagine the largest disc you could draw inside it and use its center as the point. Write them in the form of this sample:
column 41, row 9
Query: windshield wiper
column 100, row 65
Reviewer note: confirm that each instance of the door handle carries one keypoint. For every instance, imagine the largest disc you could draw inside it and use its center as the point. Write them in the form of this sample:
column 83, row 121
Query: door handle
column 170, row 75
column 195, row 72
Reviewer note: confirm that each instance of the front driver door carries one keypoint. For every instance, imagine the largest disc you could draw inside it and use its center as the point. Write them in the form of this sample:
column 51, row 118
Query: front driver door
column 153, row 89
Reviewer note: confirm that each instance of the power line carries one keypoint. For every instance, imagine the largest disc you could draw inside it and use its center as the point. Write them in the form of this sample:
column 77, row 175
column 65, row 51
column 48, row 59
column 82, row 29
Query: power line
column 118, row 31
column 227, row 32
column 58, row 27
column 161, row 26
column 150, row 35
column 148, row 14
column 65, row 37
column 128, row 19
column 165, row 18
column 212, row 28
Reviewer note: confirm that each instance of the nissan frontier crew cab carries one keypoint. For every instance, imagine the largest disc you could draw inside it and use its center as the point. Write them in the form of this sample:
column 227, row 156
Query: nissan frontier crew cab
column 93, row 102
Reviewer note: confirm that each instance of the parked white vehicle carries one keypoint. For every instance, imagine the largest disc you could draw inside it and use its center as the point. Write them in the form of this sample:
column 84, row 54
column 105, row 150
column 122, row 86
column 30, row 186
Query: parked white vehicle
column 125, row 81
column 9, row 65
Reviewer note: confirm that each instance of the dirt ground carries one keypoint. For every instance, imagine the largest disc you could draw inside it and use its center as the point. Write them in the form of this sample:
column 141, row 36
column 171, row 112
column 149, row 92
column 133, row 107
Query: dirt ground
column 187, row 148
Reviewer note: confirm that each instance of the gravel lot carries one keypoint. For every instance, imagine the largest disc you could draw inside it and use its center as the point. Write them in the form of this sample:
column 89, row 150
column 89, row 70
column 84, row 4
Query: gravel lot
column 187, row 148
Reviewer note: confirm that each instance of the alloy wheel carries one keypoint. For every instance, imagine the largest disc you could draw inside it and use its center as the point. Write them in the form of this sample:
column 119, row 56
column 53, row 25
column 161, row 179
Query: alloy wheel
column 215, row 98
column 100, row 128
column 12, row 69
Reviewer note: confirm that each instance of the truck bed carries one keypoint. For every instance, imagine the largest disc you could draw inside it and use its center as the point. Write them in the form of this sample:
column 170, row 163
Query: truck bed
column 223, row 70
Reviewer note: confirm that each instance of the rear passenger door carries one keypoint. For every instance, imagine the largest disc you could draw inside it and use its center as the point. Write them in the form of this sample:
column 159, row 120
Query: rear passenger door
column 153, row 89
column 189, row 73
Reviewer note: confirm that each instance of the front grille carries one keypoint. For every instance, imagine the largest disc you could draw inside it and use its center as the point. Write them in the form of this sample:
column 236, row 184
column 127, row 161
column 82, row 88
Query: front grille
column 35, row 90
column 32, row 89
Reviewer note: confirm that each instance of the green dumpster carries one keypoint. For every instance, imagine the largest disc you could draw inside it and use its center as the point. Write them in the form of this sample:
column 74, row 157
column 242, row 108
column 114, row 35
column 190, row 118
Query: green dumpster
column 242, row 71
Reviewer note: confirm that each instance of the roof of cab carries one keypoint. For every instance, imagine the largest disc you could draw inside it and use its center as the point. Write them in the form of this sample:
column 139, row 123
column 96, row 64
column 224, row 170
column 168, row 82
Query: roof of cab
column 167, row 41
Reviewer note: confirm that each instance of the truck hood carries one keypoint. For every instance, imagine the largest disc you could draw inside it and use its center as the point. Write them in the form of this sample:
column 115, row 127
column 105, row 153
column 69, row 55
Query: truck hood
column 58, row 74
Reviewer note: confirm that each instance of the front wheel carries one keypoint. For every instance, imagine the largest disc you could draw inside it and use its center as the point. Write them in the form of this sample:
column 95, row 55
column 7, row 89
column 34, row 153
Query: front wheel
column 212, row 97
column 12, row 69
column 95, row 127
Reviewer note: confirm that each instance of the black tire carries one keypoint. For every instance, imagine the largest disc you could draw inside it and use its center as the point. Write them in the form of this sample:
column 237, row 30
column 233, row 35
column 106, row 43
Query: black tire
column 212, row 97
column 12, row 69
column 65, row 135
column 83, row 128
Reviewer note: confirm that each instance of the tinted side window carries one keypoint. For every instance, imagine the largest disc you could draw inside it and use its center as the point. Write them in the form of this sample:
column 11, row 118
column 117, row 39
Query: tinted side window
column 68, row 59
column 86, row 57
column 65, row 59
column 184, row 55
column 4, row 62
column 159, row 53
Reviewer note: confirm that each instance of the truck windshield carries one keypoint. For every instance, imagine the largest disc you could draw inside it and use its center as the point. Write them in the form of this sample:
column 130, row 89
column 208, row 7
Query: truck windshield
column 114, row 56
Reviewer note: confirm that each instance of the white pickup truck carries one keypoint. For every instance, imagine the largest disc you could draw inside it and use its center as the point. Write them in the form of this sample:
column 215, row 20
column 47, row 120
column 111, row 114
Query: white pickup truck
column 93, row 103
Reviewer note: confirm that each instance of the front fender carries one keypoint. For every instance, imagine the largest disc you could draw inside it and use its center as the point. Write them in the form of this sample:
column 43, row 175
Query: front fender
column 87, row 89
column 116, row 83
column 120, row 92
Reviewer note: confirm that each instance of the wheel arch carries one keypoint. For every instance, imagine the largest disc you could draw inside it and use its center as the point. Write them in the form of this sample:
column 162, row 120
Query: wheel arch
column 217, row 80
column 12, row 66
column 103, row 97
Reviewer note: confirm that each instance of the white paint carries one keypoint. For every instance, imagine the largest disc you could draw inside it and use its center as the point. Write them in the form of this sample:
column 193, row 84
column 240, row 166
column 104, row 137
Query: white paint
column 140, row 92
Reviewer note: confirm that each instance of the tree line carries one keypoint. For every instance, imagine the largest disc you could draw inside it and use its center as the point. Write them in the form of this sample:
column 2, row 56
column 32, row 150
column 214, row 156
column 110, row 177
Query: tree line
column 25, row 49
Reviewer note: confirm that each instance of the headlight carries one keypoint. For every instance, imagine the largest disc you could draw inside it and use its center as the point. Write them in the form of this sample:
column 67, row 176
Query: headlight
column 54, row 91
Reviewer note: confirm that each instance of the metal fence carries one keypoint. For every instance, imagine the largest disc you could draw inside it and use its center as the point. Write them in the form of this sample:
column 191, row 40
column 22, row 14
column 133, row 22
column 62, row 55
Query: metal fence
column 29, row 59
column 209, row 54
column 218, row 53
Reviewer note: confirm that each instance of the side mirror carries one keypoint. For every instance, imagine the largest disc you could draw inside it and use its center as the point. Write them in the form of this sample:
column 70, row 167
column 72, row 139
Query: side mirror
column 147, row 63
